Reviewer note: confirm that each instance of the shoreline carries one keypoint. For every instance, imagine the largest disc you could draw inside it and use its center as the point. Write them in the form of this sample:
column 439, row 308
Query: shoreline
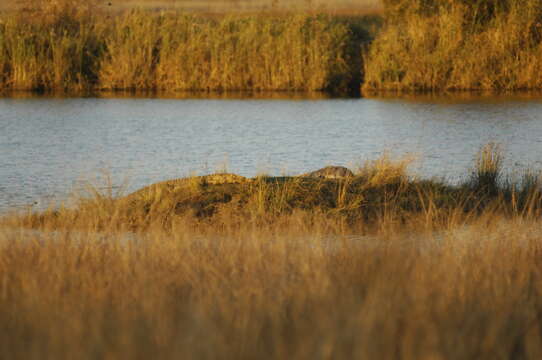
column 359, row 199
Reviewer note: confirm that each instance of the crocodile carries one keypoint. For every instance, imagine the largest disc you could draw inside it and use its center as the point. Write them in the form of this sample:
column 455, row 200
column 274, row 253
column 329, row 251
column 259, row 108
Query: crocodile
column 330, row 172
column 174, row 185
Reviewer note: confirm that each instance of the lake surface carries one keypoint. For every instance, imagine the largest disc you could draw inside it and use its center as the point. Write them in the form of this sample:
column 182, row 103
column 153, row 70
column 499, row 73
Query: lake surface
column 49, row 146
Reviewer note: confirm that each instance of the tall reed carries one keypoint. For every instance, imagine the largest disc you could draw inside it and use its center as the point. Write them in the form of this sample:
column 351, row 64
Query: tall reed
column 184, row 52
column 455, row 44
column 67, row 45
column 53, row 46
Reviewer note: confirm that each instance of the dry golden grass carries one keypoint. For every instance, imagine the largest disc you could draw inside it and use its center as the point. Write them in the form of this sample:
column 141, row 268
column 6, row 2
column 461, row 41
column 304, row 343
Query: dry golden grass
column 277, row 270
column 455, row 45
column 302, row 286
column 178, row 52
column 80, row 46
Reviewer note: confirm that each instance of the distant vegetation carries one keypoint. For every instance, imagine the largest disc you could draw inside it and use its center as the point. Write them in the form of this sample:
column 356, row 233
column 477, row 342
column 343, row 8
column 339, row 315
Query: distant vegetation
column 75, row 46
column 457, row 44
column 424, row 45
column 378, row 266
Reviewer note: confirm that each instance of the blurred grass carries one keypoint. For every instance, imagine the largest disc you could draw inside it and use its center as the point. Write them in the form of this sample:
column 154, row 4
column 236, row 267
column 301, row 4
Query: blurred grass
column 273, row 268
column 290, row 291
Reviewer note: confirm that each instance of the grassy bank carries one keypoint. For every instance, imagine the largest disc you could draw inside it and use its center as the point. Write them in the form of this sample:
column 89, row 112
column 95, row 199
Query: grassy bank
column 380, row 192
column 457, row 45
column 75, row 46
column 424, row 45
column 269, row 268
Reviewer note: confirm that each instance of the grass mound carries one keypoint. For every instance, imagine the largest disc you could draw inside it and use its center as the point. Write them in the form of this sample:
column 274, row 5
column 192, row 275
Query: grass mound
column 380, row 191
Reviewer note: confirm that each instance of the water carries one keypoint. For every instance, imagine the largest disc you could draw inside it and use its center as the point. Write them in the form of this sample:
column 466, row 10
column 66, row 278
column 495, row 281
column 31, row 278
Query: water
column 48, row 146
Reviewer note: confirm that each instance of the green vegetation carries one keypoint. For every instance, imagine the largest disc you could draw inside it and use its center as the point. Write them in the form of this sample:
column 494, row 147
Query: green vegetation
column 62, row 45
column 376, row 266
column 457, row 45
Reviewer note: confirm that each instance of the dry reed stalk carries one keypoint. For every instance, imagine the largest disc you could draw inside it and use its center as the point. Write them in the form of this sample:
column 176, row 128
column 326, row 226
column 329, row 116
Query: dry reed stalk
column 457, row 45
column 65, row 45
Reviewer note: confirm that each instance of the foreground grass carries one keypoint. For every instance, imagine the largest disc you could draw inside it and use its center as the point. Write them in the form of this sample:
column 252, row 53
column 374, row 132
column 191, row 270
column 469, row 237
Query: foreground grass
column 77, row 46
column 457, row 45
column 275, row 293
column 281, row 268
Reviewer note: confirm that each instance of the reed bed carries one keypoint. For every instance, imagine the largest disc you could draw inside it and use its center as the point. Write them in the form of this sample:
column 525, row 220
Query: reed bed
column 258, row 53
column 276, row 281
column 77, row 46
column 457, row 45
